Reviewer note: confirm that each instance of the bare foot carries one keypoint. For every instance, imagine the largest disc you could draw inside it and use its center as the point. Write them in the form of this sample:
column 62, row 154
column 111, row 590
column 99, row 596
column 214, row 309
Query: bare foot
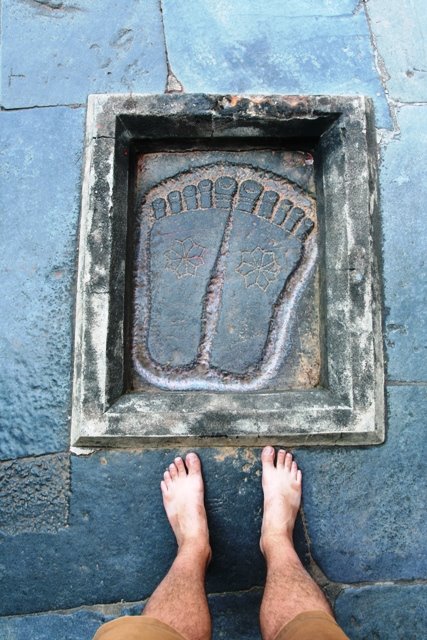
column 183, row 499
column 282, row 497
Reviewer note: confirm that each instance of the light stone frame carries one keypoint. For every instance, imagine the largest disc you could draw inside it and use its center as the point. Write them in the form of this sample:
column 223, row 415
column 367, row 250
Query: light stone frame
column 349, row 408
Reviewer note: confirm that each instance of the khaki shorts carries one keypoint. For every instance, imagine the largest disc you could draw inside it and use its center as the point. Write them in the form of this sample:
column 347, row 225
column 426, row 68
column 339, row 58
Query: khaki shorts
column 311, row 625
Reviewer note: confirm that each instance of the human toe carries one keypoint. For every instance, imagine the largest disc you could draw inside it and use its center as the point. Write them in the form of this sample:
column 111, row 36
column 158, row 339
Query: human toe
column 179, row 463
column 193, row 463
column 167, row 478
column 281, row 455
column 163, row 487
column 267, row 456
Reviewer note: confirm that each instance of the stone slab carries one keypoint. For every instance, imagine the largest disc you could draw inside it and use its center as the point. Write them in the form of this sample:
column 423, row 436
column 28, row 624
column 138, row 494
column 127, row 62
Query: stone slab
column 77, row 47
column 119, row 545
column 348, row 406
column 383, row 611
column 363, row 506
column 40, row 156
column 34, row 494
column 226, row 330
column 233, row 615
column 288, row 47
column 399, row 29
column 353, row 513
column 374, row 611
column 78, row 625
column 403, row 194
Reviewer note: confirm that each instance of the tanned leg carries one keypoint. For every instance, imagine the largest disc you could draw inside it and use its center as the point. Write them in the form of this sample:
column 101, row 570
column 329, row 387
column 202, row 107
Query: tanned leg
column 180, row 599
column 289, row 590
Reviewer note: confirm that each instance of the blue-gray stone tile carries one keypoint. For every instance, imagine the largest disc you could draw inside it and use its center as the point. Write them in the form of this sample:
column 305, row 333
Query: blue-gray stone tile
column 404, row 215
column 34, row 494
column 355, row 501
column 363, row 505
column 236, row 615
column 77, row 625
column 383, row 612
column 40, row 193
column 289, row 47
column 400, row 29
column 119, row 545
column 58, row 52
column 233, row 615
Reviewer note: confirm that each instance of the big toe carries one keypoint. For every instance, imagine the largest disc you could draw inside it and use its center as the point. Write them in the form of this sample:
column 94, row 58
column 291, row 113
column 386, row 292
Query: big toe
column 193, row 463
column 267, row 457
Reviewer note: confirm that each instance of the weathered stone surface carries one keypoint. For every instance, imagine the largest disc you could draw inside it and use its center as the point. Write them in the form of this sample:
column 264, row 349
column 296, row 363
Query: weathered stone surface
column 40, row 156
column 67, row 625
column 404, row 192
column 399, row 29
column 349, row 405
column 363, row 505
column 77, row 625
column 222, row 250
column 233, row 615
column 128, row 546
column 288, row 47
column 385, row 611
column 34, row 494
column 236, row 615
column 73, row 48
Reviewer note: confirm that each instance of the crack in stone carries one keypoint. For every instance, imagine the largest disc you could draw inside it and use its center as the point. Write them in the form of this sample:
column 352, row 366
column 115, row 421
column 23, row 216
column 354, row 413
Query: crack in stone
column 387, row 135
column 173, row 85
column 55, row 6
column 44, row 106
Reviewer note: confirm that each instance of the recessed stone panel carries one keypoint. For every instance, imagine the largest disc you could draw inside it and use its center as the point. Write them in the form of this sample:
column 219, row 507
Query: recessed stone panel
column 224, row 254
column 228, row 283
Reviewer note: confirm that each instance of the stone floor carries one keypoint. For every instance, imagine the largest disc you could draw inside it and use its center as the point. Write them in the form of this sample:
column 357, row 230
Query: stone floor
column 82, row 537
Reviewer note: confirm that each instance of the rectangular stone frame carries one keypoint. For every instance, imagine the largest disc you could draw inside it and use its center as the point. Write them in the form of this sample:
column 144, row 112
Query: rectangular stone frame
column 349, row 409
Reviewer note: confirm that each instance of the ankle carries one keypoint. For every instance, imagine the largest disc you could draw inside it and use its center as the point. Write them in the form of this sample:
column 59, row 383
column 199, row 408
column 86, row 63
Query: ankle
column 277, row 544
column 195, row 550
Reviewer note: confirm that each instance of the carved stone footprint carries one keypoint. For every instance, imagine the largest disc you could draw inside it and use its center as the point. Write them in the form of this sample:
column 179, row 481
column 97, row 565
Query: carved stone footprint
column 224, row 252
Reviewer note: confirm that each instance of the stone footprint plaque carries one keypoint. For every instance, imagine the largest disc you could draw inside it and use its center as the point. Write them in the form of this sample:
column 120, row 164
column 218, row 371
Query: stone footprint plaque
column 224, row 253
column 220, row 298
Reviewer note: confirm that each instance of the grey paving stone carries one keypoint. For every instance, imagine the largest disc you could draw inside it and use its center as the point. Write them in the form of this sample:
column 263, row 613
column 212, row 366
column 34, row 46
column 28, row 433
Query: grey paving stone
column 383, row 612
column 34, row 494
column 399, row 29
column 77, row 47
column 273, row 47
column 78, row 625
column 404, row 215
column 40, row 192
column 234, row 615
column 119, row 545
column 363, row 506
